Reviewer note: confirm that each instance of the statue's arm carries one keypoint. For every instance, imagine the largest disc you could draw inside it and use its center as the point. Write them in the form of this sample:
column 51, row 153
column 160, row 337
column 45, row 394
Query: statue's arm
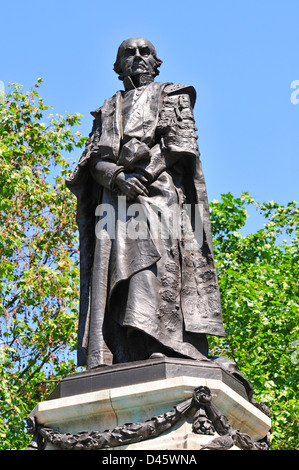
column 176, row 135
column 112, row 176
column 104, row 172
column 108, row 173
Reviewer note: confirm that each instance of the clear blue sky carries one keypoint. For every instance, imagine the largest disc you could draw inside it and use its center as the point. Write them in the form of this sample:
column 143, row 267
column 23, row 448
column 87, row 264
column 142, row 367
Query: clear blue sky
column 240, row 55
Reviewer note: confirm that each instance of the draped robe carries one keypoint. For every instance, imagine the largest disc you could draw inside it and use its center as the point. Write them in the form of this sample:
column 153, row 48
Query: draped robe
column 150, row 293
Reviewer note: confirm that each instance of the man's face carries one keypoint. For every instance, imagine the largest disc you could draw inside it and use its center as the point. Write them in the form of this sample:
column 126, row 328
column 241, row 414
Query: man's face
column 136, row 57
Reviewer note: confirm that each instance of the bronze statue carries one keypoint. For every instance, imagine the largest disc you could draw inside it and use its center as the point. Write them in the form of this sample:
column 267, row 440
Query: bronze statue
column 150, row 295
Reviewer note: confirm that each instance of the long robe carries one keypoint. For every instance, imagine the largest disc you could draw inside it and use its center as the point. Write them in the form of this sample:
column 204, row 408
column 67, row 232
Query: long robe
column 145, row 293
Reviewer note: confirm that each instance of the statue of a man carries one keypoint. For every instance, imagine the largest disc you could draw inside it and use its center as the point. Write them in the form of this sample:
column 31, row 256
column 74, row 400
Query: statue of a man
column 144, row 296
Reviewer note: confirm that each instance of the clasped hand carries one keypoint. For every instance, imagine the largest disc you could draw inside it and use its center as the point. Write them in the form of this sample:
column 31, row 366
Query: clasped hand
column 131, row 185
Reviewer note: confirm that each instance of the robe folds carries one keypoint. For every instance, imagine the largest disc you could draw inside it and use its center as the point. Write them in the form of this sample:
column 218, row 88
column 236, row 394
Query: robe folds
column 147, row 274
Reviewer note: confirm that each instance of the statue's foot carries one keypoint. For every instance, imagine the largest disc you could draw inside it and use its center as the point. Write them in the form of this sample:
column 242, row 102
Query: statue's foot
column 156, row 355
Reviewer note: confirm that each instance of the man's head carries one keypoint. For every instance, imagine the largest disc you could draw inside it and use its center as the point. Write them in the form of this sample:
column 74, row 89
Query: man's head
column 136, row 56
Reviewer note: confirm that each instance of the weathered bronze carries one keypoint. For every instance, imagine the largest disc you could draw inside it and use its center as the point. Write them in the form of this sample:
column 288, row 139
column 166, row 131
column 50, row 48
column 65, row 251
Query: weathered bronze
column 143, row 294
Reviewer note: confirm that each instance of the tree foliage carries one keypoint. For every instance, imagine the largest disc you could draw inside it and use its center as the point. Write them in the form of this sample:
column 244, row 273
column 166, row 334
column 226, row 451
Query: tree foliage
column 39, row 276
column 258, row 276
column 38, row 259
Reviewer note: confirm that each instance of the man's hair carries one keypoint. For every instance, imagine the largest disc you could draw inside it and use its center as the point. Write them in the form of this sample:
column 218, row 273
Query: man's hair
column 117, row 67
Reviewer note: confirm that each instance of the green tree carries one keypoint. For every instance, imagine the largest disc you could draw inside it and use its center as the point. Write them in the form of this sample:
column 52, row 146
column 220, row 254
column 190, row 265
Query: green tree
column 258, row 279
column 38, row 257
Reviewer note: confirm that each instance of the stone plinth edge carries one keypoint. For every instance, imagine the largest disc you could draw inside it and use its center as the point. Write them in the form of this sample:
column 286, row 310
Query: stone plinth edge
column 106, row 409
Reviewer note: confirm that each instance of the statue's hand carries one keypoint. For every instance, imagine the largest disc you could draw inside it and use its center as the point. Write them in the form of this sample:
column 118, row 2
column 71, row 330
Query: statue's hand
column 130, row 184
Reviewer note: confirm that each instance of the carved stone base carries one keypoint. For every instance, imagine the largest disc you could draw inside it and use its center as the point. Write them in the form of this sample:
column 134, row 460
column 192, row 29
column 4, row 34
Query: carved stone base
column 190, row 410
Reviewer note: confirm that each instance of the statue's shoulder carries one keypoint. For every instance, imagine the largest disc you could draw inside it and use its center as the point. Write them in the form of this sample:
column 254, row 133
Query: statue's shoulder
column 178, row 88
column 96, row 113
column 107, row 104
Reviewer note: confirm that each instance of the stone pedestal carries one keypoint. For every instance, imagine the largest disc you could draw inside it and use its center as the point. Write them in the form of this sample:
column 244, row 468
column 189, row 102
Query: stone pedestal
column 110, row 397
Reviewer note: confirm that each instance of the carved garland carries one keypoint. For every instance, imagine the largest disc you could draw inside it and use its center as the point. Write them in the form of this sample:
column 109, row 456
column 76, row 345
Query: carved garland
column 207, row 419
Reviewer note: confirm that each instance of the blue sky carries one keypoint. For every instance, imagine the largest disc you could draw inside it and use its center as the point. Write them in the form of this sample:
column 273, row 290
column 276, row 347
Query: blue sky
column 240, row 55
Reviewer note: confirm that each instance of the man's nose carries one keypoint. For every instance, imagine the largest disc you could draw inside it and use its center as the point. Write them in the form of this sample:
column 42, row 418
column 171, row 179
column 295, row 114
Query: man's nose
column 137, row 53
